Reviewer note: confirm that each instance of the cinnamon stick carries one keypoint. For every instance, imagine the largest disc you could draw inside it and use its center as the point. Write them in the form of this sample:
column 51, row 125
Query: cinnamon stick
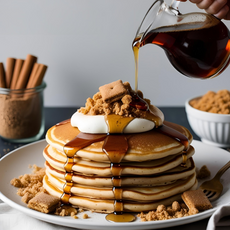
column 25, row 72
column 39, row 75
column 10, row 62
column 17, row 70
column 32, row 76
column 2, row 76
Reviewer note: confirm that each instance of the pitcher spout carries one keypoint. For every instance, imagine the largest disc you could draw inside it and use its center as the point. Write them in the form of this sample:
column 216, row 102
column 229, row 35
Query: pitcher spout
column 156, row 18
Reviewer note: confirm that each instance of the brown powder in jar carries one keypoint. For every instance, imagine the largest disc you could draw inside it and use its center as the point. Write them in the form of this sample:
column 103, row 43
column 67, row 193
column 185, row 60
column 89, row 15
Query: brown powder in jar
column 213, row 102
column 20, row 116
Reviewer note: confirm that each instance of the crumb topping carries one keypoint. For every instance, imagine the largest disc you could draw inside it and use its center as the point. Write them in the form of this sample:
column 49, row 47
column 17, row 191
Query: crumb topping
column 121, row 106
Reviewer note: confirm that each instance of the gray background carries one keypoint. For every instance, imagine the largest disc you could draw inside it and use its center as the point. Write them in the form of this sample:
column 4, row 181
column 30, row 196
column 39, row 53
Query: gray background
column 88, row 43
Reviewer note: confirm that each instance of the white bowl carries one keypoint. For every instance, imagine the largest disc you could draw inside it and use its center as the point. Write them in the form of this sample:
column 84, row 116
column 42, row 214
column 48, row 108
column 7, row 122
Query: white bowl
column 212, row 128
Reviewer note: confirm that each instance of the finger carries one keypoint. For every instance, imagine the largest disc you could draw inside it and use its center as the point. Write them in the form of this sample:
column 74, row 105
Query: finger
column 217, row 6
column 195, row 1
column 205, row 4
column 223, row 13
column 227, row 16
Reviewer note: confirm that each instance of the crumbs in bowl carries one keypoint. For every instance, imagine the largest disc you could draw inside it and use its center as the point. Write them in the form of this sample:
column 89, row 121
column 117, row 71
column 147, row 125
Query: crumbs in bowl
column 213, row 102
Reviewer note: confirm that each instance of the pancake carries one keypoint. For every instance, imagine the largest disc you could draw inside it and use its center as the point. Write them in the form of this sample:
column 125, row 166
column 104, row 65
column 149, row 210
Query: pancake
column 128, row 168
column 164, row 178
column 133, row 193
column 107, row 205
column 145, row 146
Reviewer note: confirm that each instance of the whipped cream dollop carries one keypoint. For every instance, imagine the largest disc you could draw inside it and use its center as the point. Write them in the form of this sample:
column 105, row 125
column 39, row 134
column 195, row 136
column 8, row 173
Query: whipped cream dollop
column 97, row 124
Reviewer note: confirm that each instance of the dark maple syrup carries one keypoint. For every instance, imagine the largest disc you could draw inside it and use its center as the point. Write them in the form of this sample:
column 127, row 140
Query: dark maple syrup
column 165, row 129
column 198, row 53
column 138, row 103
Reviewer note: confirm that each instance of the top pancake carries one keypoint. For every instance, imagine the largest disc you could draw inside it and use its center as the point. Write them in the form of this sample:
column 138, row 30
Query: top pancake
column 142, row 146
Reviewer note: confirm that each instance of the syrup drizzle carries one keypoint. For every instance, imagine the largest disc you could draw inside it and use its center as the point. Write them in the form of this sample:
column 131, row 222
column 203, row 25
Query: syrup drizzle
column 178, row 137
column 82, row 140
column 174, row 134
column 139, row 103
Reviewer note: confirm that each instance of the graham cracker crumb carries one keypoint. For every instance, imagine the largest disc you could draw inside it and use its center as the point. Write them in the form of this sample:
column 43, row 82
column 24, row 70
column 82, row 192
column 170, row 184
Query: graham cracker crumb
column 65, row 210
column 74, row 216
column 203, row 172
column 196, row 199
column 176, row 206
column 193, row 211
column 213, row 102
column 113, row 91
column 29, row 185
column 44, row 203
column 161, row 208
column 85, row 216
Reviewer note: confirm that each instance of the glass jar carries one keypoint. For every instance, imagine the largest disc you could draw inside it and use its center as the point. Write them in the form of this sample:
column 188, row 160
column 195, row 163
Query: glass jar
column 22, row 114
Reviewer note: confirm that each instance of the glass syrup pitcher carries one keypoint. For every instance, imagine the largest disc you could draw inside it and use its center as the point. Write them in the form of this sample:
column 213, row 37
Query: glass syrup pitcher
column 196, row 44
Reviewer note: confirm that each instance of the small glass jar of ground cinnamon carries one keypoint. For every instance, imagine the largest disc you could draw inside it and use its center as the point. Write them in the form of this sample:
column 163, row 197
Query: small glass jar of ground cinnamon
column 21, row 114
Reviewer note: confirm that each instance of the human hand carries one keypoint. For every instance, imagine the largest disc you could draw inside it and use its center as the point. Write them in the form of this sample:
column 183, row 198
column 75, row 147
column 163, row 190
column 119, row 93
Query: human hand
column 219, row 8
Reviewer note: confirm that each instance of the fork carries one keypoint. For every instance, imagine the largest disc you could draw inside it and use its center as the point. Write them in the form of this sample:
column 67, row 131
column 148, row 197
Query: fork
column 213, row 188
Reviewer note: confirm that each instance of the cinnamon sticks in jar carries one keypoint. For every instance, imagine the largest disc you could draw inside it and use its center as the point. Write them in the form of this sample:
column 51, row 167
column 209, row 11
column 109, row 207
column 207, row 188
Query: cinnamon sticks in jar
column 21, row 110
column 22, row 74
column 2, row 76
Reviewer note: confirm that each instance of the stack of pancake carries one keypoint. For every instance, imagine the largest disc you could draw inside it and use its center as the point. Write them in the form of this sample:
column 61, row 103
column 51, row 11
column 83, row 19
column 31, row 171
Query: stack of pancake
column 154, row 170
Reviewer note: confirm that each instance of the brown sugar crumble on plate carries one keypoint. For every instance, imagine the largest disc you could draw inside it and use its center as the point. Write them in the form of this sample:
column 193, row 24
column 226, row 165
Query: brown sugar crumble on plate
column 29, row 185
column 203, row 172
column 195, row 201
column 30, row 188
column 162, row 212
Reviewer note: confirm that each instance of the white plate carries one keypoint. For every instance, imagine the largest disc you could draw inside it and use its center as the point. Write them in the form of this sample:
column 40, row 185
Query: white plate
column 17, row 163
